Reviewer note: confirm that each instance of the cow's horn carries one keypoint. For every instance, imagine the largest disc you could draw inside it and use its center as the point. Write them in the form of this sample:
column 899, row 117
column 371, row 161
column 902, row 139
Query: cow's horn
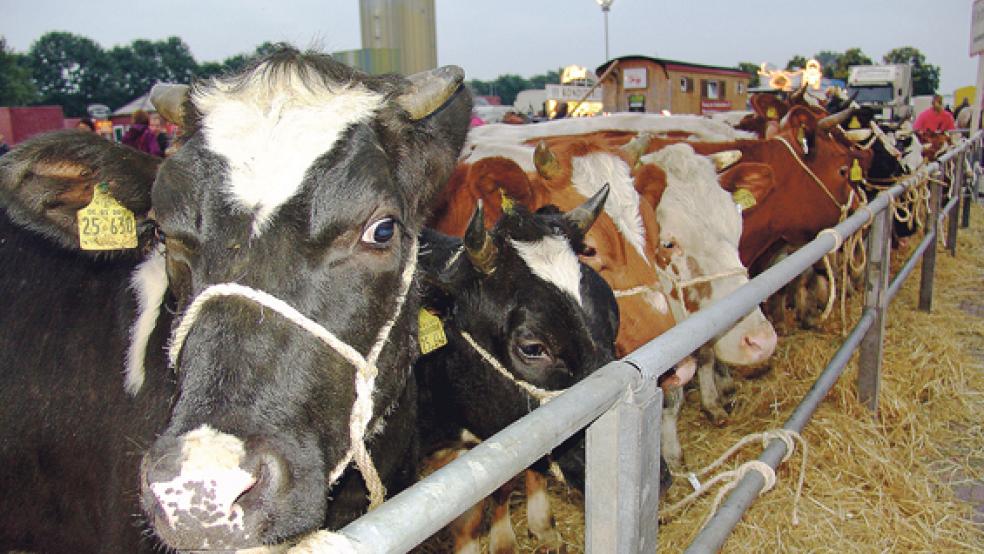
column 584, row 216
column 546, row 163
column 478, row 243
column 828, row 122
column 636, row 147
column 724, row 160
column 428, row 90
column 797, row 96
column 169, row 100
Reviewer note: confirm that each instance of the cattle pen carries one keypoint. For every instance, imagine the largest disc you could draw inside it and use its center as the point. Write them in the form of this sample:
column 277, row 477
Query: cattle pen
column 619, row 405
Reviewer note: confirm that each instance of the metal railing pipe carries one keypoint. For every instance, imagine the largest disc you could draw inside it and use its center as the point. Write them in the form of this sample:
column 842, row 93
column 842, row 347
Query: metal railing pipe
column 409, row 518
column 716, row 532
column 658, row 355
column 910, row 265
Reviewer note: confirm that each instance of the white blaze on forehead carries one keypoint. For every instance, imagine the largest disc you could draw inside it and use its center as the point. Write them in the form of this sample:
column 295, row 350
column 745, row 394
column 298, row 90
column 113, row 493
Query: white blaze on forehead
column 209, row 482
column 273, row 127
column 593, row 171
column 552, row 260
column 149, row 282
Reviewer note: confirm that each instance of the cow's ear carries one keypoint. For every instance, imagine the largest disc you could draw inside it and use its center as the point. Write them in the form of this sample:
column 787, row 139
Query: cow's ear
column 498, row 183
column 650, row 183
column 438, row 106
column 46, row 180
column 748, row 182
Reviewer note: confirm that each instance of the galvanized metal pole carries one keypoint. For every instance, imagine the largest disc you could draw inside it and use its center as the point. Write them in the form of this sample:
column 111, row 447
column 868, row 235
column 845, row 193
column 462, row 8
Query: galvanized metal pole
column 407, row 519
column 966, row 188
column 712, row 537
column 876, row 285
column 954, row 213
column 929, row 258
column 622, row 481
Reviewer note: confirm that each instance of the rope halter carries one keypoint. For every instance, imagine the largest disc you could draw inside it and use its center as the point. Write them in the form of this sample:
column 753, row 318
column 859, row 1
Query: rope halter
column 541, row 395
column 366, row 370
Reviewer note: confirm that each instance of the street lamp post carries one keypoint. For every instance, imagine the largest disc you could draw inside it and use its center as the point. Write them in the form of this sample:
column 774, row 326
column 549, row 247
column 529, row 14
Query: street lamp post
column 605, row 7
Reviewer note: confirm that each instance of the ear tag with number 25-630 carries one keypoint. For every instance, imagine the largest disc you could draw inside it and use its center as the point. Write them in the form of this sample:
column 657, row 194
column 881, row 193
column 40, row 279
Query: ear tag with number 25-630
column 105, row 224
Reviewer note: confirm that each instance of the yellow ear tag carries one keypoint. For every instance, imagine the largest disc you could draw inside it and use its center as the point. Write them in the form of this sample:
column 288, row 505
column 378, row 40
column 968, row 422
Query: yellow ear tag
column 105, row 224
column 771, row 112
column 857, row 174
column 430, row 332
column 743, row 198
column 508, row 204
column 854, row 123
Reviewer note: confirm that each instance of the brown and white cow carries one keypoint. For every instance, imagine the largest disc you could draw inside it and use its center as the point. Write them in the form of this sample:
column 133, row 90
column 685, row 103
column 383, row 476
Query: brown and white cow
column 566, row 170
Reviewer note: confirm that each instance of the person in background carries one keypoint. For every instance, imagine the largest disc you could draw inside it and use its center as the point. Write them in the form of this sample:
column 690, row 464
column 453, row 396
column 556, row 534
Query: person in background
column 4, row 148
column 86, row 124
column 964, row 114
column 476, row 121
column 140, row 136
column 934, row 118
column 163, row 141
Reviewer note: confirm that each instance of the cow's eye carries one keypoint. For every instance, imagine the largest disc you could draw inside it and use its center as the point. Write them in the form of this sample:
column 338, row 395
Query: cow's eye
column 668, row 244
column 532, row 350
column 380, row 231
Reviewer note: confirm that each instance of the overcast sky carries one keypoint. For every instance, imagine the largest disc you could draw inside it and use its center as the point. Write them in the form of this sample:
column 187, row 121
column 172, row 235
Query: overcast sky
column 528, row 37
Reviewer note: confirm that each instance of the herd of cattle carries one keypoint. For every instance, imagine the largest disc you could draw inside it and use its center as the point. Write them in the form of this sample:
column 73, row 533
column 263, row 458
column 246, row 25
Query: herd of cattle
column 300, row 324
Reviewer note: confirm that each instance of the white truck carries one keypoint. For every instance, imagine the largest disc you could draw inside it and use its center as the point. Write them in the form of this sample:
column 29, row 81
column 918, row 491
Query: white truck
column 885, row 88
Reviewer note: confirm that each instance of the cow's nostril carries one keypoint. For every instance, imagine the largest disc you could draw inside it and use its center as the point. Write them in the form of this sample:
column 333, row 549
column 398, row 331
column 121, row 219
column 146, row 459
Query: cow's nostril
column 272, row 478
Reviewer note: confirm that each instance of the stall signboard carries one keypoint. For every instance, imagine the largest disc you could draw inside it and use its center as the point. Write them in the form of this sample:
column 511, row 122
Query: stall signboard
column 572, row 93
column 712, row 106
column 634, row 77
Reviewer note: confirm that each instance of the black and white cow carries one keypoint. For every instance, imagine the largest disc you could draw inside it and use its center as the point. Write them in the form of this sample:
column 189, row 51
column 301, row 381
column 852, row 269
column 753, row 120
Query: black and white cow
column 524, row 319
column 277, row 258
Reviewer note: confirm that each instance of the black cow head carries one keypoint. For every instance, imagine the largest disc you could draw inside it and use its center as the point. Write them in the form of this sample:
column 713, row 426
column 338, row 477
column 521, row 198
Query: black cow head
column 533, row 309
column 299, row 180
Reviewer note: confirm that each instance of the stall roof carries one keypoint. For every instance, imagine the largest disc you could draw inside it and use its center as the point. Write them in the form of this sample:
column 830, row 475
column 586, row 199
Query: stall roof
column 674, row 65
column 139, row 103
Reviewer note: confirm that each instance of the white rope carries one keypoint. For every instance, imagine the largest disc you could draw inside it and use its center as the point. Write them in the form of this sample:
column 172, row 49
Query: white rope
column 542, row 395
column 838, row 239
column 809, row 172
column 733, row 477
column 677, row 283
column 366, row 370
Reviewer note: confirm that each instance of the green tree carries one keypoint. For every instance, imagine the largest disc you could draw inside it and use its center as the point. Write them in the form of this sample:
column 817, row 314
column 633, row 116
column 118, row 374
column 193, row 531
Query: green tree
column 137, row 67
column 796, row 62
column 828, row 61
column 69, row 70
column 925, row 77
column 16, row 87
column 542, row 80
column 236, row 62
column 852, row 56
column 752, row 70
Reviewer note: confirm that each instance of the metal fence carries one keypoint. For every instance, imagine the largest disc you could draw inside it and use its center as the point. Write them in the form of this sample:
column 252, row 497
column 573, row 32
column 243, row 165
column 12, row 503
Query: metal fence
column 620, row 403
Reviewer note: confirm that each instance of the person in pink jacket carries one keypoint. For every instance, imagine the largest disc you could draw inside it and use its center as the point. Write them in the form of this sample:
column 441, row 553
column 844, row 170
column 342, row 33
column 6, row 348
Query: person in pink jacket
column 935, row 118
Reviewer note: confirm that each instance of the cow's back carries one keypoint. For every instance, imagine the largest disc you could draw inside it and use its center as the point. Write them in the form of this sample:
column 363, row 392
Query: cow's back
column 64, row 414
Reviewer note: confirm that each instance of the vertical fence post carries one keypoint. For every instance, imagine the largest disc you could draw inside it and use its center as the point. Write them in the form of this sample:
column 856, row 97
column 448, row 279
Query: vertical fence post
column 929, row 257
column 954, row 215
column 622, row 476
column 876, row 284
column 966, row 187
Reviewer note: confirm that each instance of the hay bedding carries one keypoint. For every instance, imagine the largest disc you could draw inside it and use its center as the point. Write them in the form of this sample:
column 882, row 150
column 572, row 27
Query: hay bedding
column 884, row 484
